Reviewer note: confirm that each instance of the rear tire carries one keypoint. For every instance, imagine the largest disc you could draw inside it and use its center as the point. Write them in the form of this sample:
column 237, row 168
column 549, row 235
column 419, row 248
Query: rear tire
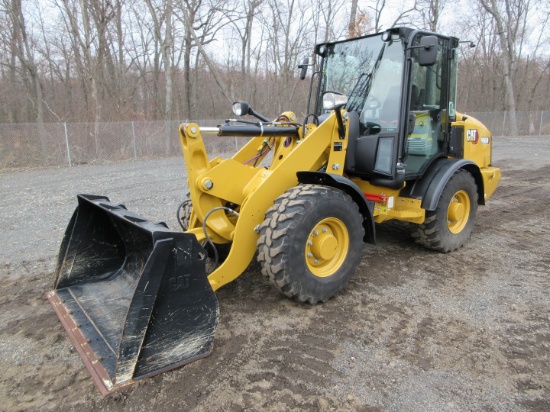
column 450, row 225
column 311, row 242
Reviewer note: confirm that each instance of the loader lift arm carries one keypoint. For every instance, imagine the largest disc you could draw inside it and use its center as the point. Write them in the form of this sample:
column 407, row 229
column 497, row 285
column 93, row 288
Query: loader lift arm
column 254, row 189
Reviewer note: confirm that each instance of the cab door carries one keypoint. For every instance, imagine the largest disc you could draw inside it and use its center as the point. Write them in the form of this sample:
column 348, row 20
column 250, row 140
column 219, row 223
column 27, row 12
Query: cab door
column 429, row 103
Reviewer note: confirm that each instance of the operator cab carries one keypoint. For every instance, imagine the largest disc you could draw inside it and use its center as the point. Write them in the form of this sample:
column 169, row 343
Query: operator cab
column 401, row 90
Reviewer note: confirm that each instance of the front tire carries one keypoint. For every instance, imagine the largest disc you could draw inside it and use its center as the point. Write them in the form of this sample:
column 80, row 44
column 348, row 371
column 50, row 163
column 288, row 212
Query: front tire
column 450, row 225
column 310, row 242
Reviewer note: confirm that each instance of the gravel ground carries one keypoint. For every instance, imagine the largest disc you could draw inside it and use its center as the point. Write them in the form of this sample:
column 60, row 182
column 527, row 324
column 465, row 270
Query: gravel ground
column 415, row 330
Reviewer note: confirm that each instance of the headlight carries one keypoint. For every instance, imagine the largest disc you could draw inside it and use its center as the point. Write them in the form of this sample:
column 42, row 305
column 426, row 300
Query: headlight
column 240, row 108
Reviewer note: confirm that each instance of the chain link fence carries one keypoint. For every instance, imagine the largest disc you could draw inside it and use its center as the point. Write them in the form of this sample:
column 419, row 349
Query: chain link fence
column 529, row 123
column 26, row 145
column 29, row 145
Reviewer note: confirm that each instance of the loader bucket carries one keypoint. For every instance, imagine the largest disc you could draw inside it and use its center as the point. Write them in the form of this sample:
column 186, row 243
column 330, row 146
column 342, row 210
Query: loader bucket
column 132, row 295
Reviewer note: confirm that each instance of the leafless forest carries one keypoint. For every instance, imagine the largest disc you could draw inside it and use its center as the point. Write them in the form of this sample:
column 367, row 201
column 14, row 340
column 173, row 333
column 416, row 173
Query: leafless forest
column 121, row 60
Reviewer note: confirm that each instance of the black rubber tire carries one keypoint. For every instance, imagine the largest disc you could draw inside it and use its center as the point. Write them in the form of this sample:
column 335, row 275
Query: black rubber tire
column 284, row 235
column 434, row 233
column 184, row 213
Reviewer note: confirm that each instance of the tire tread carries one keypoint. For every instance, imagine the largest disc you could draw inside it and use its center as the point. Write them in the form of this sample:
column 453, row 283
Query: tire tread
column 275, row 235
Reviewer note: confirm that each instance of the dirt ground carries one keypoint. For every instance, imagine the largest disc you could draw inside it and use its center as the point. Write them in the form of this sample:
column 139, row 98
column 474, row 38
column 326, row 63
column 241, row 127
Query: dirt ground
column 414, row 331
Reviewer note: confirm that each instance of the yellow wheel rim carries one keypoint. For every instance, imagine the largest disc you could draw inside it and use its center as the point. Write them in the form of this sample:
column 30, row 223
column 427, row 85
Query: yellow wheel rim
column 458, row 212
column 327, row 247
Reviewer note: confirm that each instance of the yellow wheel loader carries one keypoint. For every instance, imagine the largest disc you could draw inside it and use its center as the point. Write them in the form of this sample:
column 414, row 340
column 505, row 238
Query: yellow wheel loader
column 381, row 140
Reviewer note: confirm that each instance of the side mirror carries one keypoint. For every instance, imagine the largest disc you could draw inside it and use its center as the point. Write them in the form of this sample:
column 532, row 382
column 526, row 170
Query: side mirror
column 303, row 68
column 427, row 55
column 334, row 100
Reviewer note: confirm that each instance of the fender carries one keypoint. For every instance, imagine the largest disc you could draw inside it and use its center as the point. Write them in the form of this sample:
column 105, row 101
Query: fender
column 430, row 186
column 342, row 183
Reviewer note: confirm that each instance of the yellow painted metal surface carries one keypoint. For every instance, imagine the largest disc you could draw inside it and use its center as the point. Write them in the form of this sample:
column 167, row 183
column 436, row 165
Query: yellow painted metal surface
column 251, row 189
column 393, row 206
column 327, row 247
column 198, row 165
column 458, row 211
column 491, row 177
column 477, row 140
column 478, row 143
column 406, row 209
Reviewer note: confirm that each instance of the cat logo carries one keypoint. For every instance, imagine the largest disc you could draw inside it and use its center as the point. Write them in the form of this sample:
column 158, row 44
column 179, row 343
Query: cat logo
column 182, row 281
column 472, row 136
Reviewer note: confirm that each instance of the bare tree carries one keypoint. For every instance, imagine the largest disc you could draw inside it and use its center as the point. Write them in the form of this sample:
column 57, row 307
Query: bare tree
column 330, row 19
column 379, row 9
column 288, row 26
column 430, row 12
column 162, row 24
column 201, row 19
column 209, row 62
column 509, row 18
column 352, row 29
column 22, row 50
column 242, row 21
column 87, row 22
column 144, row 51
column 10, row 66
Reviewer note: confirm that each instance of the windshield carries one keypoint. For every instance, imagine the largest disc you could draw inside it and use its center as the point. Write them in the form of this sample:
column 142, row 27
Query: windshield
column 369, row 71
column 349, row 61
